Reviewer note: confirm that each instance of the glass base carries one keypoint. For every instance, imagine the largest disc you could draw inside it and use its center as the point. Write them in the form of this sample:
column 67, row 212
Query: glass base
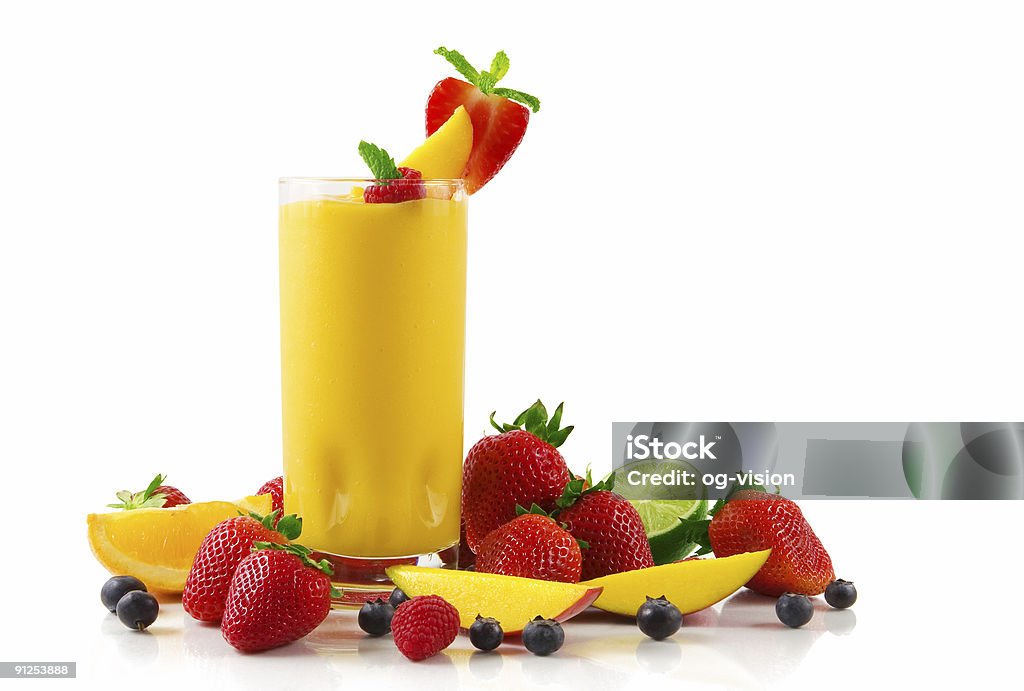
column 361, row 579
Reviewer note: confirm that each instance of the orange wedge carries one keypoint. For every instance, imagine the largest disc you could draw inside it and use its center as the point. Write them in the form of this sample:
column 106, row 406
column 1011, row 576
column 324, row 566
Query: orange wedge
column 511, row 600
column 157, row 546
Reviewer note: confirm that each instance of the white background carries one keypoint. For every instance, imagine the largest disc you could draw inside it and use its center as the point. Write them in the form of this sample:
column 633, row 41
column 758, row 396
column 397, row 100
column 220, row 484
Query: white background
column 780, row 211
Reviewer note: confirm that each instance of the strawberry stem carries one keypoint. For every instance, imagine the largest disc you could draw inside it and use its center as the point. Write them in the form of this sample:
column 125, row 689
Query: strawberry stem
column 535, row 421
column 148, row 498
column 302, row 552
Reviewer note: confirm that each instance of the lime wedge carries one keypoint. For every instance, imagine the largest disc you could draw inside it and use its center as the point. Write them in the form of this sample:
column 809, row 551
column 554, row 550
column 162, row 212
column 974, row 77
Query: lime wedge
column 661, row 518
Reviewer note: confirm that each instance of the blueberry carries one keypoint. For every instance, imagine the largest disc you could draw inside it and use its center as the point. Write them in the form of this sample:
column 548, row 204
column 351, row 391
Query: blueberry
column 375, row 617
column 137, row 609
column 485, row 633
column 543, row 636
column 658, row 618
column 841, row 594
column 794, row 610
column 115, row 588
column 397, row 597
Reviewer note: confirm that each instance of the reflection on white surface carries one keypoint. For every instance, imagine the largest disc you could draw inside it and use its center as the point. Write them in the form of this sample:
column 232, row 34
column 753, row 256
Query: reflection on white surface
column 738, row 643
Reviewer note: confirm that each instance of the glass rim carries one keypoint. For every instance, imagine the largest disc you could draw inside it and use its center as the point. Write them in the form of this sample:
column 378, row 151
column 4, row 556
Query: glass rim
column 366, row 181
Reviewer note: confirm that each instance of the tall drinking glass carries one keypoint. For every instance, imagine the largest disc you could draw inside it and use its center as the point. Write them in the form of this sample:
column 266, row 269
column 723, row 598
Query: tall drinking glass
column 373, row 318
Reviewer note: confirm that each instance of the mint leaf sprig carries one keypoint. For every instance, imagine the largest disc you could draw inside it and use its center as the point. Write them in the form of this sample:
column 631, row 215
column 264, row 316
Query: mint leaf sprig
column 379, row 161
column 486, row 80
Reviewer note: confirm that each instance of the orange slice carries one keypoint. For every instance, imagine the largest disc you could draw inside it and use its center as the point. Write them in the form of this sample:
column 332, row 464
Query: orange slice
column 511, row 600
column 157, row 546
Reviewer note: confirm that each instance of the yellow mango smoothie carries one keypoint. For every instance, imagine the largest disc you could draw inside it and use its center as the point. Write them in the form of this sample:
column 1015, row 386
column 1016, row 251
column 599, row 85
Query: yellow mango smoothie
column 373, row 303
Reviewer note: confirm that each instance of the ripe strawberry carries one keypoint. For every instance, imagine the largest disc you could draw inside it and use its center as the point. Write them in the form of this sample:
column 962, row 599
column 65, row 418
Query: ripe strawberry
column 275, row 488
column 396, row 184
column 516, row 467
column 499, row 123
column 156, row 496
column 752, row 520
column 172, row 496
column 277, row 595
column 609, row 525
column 424, row 626
column 531, row 546
column 466, row 557
column 223, row 548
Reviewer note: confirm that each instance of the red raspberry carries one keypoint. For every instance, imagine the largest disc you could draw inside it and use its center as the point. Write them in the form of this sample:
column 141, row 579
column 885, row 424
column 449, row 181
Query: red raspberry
column 424, row 626
column 408, row 188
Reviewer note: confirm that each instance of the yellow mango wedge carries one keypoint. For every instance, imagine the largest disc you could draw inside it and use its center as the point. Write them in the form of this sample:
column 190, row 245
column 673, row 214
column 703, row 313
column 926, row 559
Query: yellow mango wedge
column 157, row 546
column 444, row 153
column 689, row 585
column 511, row 600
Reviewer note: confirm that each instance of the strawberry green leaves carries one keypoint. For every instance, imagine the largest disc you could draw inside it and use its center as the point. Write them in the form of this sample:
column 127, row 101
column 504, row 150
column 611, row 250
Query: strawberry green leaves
column 305, row 554
column 578, row 486
column 148, row 498
column 535, row 421
column 301, row 551
column 486, row 80
column 380, row 163
column 289, row 526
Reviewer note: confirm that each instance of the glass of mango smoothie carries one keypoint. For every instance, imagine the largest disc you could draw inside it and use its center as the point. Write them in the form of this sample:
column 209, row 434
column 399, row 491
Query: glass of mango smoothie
column 373, row 302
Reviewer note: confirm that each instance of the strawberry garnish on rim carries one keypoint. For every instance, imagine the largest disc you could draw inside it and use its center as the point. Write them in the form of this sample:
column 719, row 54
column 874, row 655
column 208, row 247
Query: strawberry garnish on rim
column 499, row 119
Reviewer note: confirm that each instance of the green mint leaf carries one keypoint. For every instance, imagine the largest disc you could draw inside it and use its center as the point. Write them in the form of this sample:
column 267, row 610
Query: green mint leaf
column 486, row 82
column 460, row 63
column 381, row 165
column 499, row 65
column 531, row 102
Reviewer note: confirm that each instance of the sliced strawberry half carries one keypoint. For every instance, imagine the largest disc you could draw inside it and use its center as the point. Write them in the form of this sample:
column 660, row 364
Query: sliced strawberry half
column 499, row 118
